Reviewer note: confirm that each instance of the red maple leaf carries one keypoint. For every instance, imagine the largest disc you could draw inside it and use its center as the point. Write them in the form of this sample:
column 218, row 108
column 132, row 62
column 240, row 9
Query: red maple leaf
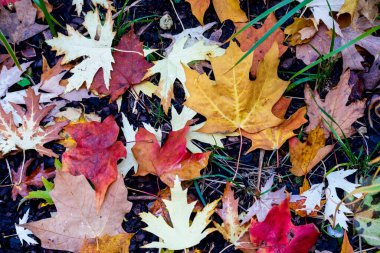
column 278, row 234
column 129, row 68
column 95, row 155
column 6, row 2
column 170, row 160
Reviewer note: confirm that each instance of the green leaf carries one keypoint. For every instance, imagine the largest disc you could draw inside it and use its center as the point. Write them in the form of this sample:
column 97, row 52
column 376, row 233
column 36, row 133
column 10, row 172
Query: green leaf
column 41, row 195
column 24, row 82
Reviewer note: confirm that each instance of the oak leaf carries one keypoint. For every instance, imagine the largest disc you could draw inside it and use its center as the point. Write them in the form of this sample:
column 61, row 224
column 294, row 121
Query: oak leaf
column 162, row 161
column 231, row 229
column 235, row 101
column 180, row 234
column 96, row 50
column 251, row 35
column 77, row 219
column 30, row 135
column 95, row 154
column 278, row 234
column 130, row 68
column 20, row 25
column 305, row 155
column 335, row 106
column 107, row 244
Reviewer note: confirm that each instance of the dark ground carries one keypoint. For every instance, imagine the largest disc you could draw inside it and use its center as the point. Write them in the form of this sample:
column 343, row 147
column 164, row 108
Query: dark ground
column 63, row 11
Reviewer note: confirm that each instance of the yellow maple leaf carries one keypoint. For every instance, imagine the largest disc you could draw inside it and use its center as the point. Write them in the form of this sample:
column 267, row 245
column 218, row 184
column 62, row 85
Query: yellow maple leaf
column 233, row 101
column 107, row 244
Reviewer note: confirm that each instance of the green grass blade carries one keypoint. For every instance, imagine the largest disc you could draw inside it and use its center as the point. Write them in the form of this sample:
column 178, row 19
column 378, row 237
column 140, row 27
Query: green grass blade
column 42, row 6
column 9, row 50
column 270, row 31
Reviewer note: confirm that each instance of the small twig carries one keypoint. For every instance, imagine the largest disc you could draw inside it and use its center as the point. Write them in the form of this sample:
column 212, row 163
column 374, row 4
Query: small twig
column 175, row 11
column 261, row 160
column 141, row 198
column 238, row 161
column 127, row 51
column 22, row 167
column 9, row 170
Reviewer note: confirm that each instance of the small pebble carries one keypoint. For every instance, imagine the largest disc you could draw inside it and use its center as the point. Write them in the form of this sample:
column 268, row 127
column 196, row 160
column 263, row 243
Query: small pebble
column 166, row 22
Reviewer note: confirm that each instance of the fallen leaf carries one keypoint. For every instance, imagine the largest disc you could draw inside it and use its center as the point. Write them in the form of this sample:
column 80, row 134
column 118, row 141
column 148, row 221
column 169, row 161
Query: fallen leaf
column 130, row 138
column 49, row 73
column 352, row 10
column 77, row 218
column 335, row 106
column 231, row 229
column 301, row 31
column 313, row 199
column 107, row 244
column 273, row 138
column 34, row 179
column 23, row 233
column 172, row 66
column 9, row 77
column 107, row 4
column 180, row 120
column 346, row 246
column 264, row 203
column 198, row 8
column 96, row 50
column 180, row 234
column 229, row 9
column 277, row 233
column 40, row 13
column 20, row 26
column 162, row 161
column 235, row 101
column 130, row 68
column 41, row 194
column 30, row 135
column 305, row 155
column 95, row 154
column 76, row 115
column 372, row 77
column 251, row 35
column 347, row 12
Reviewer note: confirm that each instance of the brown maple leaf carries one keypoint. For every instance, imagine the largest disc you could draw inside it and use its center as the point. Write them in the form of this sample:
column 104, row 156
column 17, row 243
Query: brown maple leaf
column 30, row 135
column 129, row 68
column 20, row 25
column 77, row 218
column 335, row 106
column 251, row 35
column 34, row 179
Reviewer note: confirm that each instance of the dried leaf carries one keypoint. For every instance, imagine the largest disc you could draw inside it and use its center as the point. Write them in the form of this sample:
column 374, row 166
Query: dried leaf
column 229, row 9
column 9, row 77
column 234, row 99
column 77, row 218
column 107, row 4
column 107, row 244
column 130, row 138
column 301, row 31
column 180, row 234
column 95, row 154
column 198, row 8
column 346, row 246
column 305, row 155
column 162, row 161
column 251, row 35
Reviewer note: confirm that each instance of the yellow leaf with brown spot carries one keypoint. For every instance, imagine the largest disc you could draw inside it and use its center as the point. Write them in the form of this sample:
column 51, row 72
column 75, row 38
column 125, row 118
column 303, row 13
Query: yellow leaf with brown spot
column 229, row 9
column 107, row 244
column 305, row 155
column 300, row 31
column 233, row 101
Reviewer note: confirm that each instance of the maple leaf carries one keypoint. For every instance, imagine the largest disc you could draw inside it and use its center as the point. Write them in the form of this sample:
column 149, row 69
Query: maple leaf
column 251, row 35
column 335, row 106
column 129, row 70
column 77, row 218
column 162, row 161
column 313, row 198
column 305, row 155
column 23, row 233
column 107, row 4
column 34, row 179
column 171, row 67
column 108, row 244
column 30, row 135
column 321, row 10
column 130, row 137
column 95, row 154
column 9, row 77
column 235, row 101
column 180, row 120
column 262, row 205
column 20, row 25
column 336, row 180
column 180, row 234
column 273, row 138
column 300, row 31
column 231, row 229
column 97, row 52
column 277, row 233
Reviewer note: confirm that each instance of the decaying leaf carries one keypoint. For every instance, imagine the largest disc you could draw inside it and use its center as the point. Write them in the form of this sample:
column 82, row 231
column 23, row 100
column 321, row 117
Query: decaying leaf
column 301, row 31
column 77, row 219
column 162, row 161
column 335, row 106
column 231, row 229
column 251, row 35
column 94, row 154
column 278, row 234
column 30, row 135
column 107, row 244
column 20, row 25
column 305, row 155
column 96, row 50
column 176, row 62
column 180, row 234
column 107, row 4
column 235, row 101
column 352, row 9
column 130, row 68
